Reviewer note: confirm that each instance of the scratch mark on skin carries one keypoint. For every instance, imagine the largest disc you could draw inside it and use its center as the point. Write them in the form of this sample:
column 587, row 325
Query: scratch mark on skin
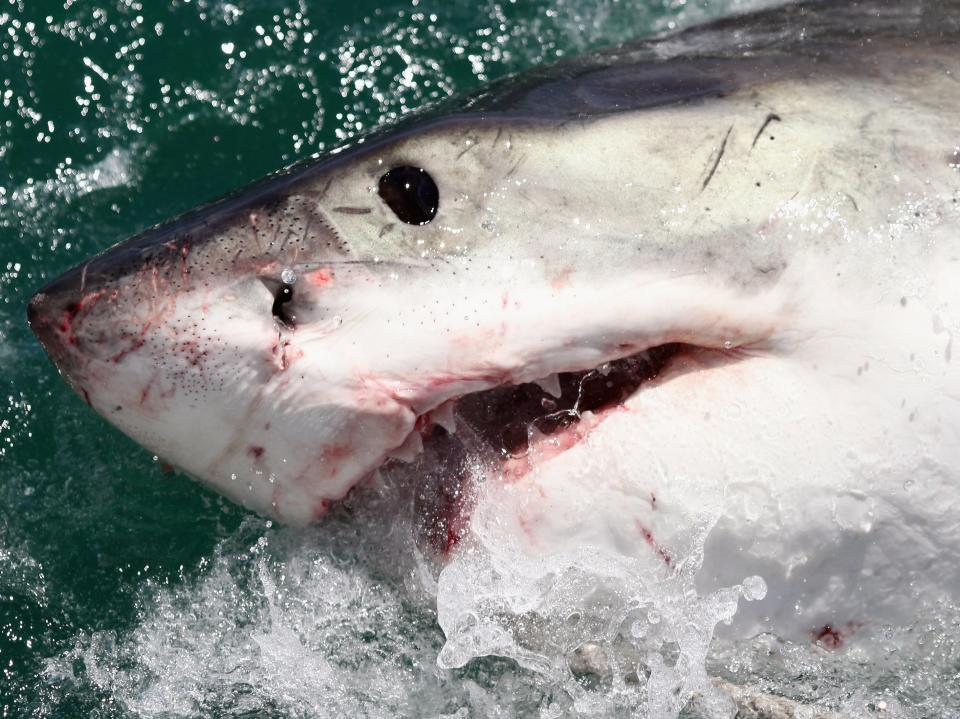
column 497, row 138
column 385, row 229
column 516, row 166
column 852, row 201
column 184, row 253
column 83, row 277
column 317, row 195
column 716, row 162
column 772, row 117
column 276, row 234
column 353, row 210
column 471, row 144
column 253, row 229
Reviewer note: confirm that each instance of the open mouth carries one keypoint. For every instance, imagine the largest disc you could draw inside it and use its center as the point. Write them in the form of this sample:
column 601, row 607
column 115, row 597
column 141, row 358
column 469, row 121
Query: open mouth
column 510, row 418
column 507, row 430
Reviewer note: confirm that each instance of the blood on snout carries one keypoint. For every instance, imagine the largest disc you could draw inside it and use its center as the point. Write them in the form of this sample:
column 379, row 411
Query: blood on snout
column 320, row 277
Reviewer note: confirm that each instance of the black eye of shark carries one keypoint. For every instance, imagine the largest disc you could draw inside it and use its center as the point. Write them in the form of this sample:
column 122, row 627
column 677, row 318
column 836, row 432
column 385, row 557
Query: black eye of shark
column 411, row 193
column 282, row 296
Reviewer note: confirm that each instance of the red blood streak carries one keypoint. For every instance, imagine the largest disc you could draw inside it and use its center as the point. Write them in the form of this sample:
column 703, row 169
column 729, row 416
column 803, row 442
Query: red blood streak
column 320, row 508
column 336, row 452
column 446, row 523
column 255, row 452
column 134, row 346
column 829, row 637
column 654, row 544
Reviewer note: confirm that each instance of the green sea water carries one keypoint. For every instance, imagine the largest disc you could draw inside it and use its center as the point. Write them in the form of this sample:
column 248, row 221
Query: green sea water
column 127, row 590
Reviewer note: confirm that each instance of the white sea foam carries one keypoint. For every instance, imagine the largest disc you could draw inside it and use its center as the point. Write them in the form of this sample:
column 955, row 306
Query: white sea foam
column 340, row 621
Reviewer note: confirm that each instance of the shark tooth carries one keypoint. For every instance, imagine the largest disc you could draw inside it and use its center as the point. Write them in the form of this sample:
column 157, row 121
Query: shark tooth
column 550, row 384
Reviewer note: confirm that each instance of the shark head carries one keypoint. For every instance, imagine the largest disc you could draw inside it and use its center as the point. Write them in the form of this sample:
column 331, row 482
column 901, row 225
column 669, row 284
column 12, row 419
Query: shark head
column 282, row 345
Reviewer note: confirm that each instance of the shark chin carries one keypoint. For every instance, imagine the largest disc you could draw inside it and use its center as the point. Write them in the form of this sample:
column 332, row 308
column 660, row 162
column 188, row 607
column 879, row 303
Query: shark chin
column 705, row 279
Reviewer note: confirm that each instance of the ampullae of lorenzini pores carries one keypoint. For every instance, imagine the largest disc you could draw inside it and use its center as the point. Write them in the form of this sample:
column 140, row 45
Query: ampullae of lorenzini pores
column 652, row 349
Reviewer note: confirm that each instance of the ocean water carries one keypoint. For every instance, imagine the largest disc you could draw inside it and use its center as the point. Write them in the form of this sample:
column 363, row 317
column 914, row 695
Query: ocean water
column 130, row 591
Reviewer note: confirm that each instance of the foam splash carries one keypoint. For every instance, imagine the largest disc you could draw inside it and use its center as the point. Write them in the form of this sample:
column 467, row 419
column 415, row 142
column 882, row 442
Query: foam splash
column 340, row 620
column 594, row 624
column 283, row 622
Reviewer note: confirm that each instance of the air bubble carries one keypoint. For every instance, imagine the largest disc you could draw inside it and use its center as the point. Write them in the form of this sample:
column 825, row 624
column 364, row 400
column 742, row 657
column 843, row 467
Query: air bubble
column 754, row 588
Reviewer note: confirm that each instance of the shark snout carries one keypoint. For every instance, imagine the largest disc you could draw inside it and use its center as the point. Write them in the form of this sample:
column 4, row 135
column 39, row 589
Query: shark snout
column 75, row 315
column 52, row 314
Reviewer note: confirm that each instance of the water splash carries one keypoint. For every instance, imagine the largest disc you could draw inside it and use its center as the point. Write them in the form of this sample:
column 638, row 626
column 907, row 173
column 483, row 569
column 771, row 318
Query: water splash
column 598, row 626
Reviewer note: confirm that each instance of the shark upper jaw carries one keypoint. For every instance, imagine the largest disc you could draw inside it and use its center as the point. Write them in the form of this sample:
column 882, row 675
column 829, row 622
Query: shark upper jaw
column 528, row 391
column 296, row 417
column 514, row 424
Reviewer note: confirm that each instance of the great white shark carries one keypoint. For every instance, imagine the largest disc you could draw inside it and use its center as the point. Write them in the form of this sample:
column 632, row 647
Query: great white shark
column 710, row 273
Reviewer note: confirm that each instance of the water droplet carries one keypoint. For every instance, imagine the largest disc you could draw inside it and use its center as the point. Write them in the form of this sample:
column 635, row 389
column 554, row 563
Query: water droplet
column 288, row 276
column 754, row 588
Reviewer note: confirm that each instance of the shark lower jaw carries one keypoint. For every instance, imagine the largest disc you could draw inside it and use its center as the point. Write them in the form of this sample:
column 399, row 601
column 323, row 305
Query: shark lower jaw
column 504, row 433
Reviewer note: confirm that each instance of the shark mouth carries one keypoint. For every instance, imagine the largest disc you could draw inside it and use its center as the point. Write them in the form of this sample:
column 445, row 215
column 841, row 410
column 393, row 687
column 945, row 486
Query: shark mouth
column 512, row 419
column 506, row 431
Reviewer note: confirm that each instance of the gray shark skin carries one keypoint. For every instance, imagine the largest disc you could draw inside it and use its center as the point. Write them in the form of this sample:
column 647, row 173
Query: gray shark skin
column 712, row 272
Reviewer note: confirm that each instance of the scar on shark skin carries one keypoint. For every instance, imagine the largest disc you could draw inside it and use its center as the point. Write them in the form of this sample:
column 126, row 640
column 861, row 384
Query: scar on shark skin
column 716, row 162
column 353, row 210
column 772, row 117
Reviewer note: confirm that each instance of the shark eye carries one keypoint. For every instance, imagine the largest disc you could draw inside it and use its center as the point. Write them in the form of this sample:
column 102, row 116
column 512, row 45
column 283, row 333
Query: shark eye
column 411, row 193
column 283, row 296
